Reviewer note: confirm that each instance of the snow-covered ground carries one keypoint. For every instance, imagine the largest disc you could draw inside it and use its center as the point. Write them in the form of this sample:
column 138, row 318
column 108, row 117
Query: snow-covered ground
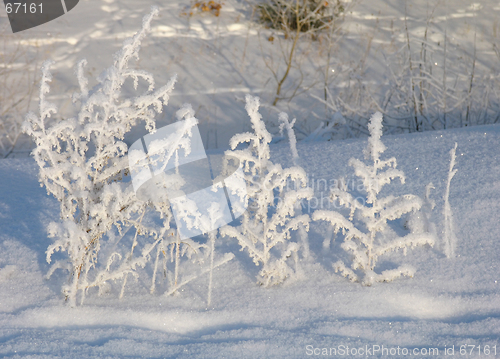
column 449, row 303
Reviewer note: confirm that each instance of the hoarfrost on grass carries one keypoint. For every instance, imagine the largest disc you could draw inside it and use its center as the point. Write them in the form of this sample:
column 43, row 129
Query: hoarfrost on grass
column 82, row 163
column 266, row 228
column 367, row 230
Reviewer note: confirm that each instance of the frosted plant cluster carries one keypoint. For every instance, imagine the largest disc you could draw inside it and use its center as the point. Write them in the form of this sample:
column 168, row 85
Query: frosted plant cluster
column 369, row 235
column 83, row 163
column 115, row 219
column 266, row 228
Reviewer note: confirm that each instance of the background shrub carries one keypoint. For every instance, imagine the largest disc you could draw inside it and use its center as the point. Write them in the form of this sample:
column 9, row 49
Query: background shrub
column 304, row 15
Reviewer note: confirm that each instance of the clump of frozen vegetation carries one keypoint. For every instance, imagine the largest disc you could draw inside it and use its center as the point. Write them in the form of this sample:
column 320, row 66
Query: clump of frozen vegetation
column 83, row 162
column 82, row 159
column 266, row 228
column 367, row 231
column 428, row 83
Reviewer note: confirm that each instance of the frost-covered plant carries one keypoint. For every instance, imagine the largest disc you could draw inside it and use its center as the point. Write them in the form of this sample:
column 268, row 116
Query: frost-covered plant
column 82, row 160
column 450, row 239
column 429, row 82
column 200, row 252
column 367, row 230
column 159, row 178
column 162, row 152
column 265, row 231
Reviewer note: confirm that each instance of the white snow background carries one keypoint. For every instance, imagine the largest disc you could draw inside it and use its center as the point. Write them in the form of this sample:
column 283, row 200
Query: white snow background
column 447, row 304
